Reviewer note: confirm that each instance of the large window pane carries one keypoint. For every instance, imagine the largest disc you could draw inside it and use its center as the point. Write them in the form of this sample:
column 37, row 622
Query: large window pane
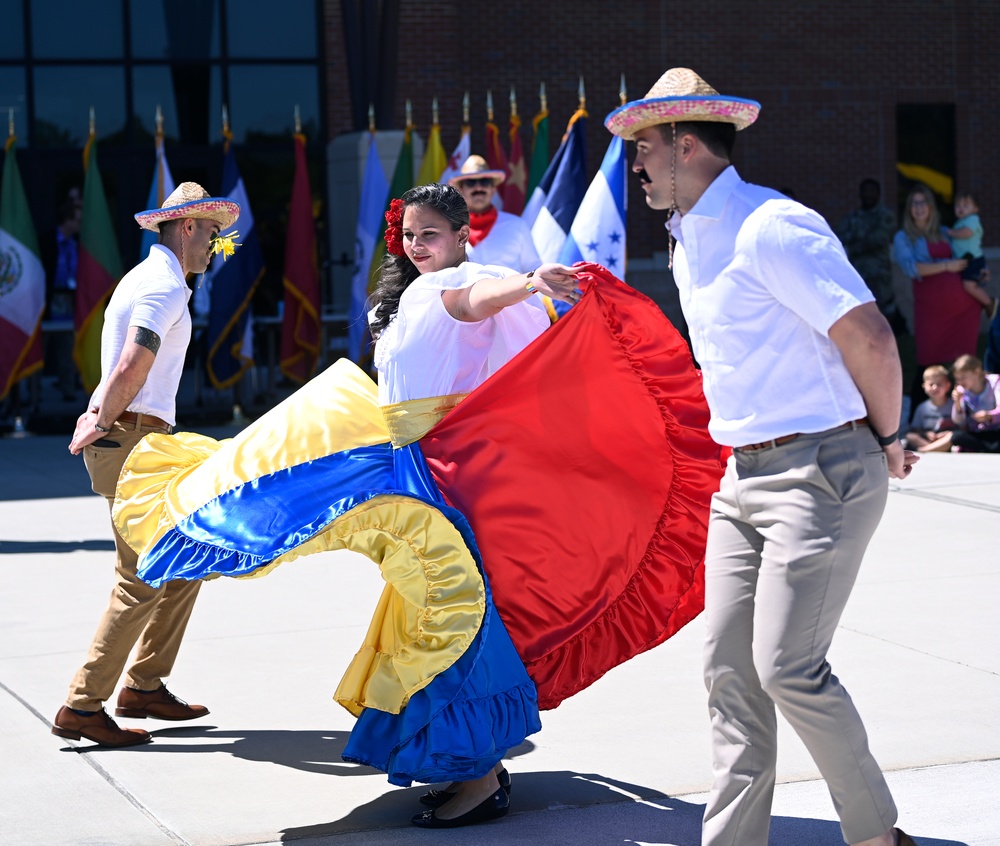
column 12, row 96
column 263, row 29
column 175, row 30
column 153, row 86
column 63, row 97
column 71, row 29
column 11, row 29
column 262, row 100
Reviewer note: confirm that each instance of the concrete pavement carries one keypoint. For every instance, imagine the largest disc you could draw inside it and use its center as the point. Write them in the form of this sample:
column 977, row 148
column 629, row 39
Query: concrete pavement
column 624, row 762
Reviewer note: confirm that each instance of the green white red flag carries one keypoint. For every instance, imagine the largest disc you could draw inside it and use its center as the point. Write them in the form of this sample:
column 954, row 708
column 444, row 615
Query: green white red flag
column 22, row 281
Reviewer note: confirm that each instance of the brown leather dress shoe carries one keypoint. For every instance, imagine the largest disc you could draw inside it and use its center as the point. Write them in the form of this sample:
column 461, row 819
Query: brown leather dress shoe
column 159, row 704
column 98, row 727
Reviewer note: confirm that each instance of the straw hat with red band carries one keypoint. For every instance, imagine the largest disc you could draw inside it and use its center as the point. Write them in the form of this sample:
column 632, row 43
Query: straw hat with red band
column 475, row 167
column 189, row 199
column 680, row 95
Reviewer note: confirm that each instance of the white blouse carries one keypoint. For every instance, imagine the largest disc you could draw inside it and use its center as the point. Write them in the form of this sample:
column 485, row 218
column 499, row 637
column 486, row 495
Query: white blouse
column 425, row 352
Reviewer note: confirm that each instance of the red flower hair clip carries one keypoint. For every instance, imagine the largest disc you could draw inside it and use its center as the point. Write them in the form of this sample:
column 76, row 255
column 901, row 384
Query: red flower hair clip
column 394, row 230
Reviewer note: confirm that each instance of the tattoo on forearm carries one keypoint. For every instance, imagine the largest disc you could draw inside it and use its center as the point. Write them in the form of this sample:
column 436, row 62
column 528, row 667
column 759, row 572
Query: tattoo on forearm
column 147, row 338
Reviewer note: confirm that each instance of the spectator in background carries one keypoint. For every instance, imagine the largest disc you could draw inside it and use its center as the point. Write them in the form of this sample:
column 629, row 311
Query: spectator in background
column 967, row 242
column 930, row 428
column 60, row 249
column 976, row 409
column 945, row 317
column 495, row 237
column 866, row 234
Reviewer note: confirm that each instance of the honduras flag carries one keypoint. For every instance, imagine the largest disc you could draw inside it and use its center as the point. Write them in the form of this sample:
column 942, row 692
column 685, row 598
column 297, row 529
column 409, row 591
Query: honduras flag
column 161, row 188
column 598, row 230
column 555, row 201
column 374, row 193
column 233, row 281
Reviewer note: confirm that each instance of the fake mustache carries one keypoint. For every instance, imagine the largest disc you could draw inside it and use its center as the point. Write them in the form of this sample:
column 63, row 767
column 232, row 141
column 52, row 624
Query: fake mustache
column 644, row 177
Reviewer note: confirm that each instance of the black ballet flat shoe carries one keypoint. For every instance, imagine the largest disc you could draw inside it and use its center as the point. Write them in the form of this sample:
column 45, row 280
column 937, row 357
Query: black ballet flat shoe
column 491, row 808
column 436, row 798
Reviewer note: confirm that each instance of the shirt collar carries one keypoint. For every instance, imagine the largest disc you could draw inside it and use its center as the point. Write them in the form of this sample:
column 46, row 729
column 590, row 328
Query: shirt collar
column 710, row 203
column 171, row 259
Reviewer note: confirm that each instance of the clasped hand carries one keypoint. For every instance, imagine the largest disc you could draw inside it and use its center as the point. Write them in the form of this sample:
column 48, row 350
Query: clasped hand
column 558, row 282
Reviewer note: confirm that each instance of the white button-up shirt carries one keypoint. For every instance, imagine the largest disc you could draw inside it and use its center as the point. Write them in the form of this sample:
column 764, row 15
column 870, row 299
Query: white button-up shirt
column 762, row 279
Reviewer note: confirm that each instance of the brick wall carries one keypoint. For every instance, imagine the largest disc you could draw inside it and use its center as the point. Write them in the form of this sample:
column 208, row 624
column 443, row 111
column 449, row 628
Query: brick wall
column 829, row 76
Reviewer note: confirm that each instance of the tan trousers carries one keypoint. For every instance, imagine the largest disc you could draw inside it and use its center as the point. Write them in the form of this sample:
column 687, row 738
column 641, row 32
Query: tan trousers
column 787, row 533
column 155, row 617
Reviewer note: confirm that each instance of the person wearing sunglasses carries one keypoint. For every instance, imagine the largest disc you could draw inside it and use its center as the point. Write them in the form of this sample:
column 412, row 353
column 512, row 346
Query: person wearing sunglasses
column 495, row 237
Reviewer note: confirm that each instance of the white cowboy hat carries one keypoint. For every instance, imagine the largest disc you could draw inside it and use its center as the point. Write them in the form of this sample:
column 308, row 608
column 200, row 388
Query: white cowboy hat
column 475, row 167
column 680, row 95
column 189, row 199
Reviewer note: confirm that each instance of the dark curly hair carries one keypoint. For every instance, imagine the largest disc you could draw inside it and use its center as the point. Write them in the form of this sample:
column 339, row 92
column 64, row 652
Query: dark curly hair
column 397, row 272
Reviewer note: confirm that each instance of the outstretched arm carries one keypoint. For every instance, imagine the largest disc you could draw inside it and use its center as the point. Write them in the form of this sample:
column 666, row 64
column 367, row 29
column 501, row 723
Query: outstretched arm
column 489, row 296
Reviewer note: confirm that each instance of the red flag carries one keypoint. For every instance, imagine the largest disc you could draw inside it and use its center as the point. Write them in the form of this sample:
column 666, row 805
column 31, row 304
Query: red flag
column 495, row 156
column 300, row 329
column 516, row 185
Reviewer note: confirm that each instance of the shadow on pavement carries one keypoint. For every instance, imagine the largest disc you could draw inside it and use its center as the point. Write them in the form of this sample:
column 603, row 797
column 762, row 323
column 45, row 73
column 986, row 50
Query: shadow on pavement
column 38, row 547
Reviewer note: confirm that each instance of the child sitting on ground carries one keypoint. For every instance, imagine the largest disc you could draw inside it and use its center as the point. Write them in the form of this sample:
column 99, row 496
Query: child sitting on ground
column 976, row 408
column 967, row 242
column 930, row 428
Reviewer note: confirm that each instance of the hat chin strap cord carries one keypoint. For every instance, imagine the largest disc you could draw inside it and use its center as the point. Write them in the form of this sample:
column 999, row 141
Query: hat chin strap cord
column 673, row 196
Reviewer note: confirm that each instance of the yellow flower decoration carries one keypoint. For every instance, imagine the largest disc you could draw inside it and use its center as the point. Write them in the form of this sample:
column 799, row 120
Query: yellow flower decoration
column 225, row 244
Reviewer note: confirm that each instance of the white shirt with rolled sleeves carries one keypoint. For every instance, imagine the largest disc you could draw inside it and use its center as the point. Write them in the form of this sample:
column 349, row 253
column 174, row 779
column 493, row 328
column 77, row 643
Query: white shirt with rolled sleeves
column 508, row 244
column 762, row 279
column 153, row 295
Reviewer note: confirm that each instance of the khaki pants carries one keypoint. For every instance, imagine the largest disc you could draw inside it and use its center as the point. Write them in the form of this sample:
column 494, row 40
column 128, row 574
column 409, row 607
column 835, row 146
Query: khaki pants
column 787, row 533
column 155, row 617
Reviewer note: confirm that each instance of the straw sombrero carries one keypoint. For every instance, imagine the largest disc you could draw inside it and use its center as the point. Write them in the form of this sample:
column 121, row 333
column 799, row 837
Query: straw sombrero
column 189, row 199
column 680, row 95
column 475, row 167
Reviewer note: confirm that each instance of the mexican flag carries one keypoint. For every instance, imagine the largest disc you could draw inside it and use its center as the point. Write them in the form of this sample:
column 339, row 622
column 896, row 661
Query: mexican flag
column 22, row 282
column 99, row 268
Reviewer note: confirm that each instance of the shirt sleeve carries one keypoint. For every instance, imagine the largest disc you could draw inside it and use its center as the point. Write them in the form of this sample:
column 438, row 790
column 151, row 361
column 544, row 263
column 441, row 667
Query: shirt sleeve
column 805, row 268
column 903, row 254
column 157, row 308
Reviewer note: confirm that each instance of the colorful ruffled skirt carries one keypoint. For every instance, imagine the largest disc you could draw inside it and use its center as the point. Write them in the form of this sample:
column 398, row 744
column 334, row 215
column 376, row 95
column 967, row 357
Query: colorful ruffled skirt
column 549, row 527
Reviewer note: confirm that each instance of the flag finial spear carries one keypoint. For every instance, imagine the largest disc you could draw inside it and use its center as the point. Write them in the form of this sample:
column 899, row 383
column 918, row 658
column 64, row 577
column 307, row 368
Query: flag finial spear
column 298, row 120
column 225, row 120
column 513, row 102
column 465, row 109
column 93, row 122
column 489, row 106
column 622, row 92
column 159, row 121
column 582, row 96
column 434, row 111
column 542, row 98
column 371, row 117
column 409, row 115
column 10, row 122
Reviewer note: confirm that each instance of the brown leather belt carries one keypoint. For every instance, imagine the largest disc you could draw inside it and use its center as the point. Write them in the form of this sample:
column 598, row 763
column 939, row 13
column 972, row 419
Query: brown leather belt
column 134, row 419
column 784, row 439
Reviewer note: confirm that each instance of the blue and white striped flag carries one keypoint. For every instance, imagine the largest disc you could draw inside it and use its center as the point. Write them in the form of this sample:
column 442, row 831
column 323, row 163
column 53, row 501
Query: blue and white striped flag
column 161, row 188
column 554, row 203
column 374, row 194
column 598, row 230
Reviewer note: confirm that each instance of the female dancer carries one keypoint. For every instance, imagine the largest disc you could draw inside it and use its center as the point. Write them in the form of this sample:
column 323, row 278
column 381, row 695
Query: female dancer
column 496, row 601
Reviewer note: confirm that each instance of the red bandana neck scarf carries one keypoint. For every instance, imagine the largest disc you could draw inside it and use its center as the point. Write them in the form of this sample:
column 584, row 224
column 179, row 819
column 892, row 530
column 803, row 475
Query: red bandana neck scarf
column 481, row 224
